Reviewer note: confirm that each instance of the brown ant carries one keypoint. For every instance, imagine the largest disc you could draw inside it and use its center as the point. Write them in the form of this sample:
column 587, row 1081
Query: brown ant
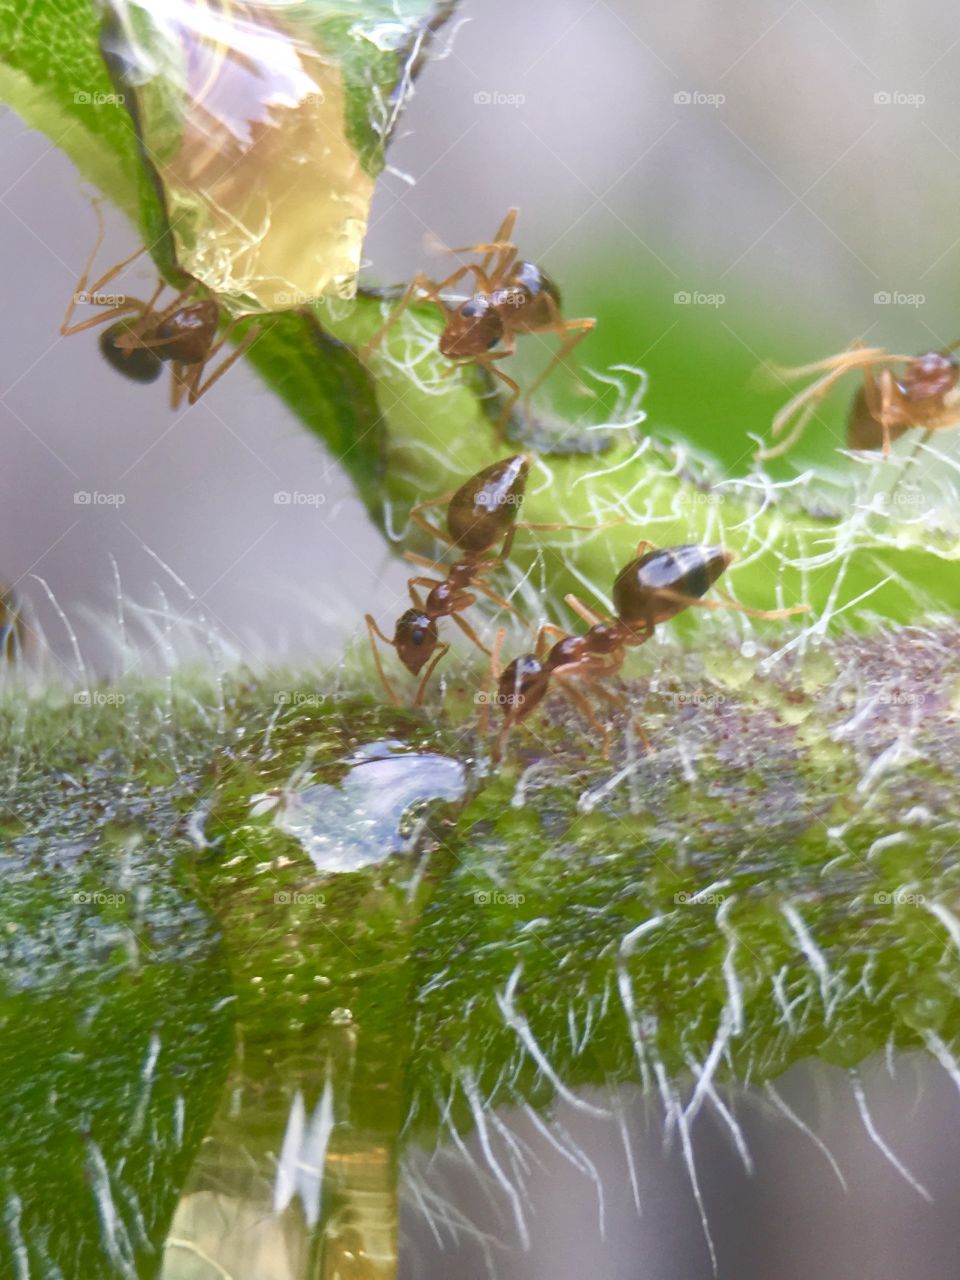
column 653, row 587
column 141, row 338
column 479, row 514
column 511, row 297
column 925, row 394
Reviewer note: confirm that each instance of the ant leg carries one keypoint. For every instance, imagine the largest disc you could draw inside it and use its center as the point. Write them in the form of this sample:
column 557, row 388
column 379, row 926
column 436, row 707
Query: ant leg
column 501, row 245
column 547, row 629
column 469, row 632
column 805, row 403
column 66, row 329
column 241, row 349
column 442, row 648
column 487, row 362
column 373, row 631
column 181, row 380
column 421, row 283
column 583, row 706
column 495, row 674
column 503, row 603
column 417, row 519
column 735, row 606
column 576, row 331
column 590, row 618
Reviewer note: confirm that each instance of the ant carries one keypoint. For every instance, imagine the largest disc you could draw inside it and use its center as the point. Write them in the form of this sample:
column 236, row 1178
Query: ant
column 141, row 338
column 925, row 394
column 479, row 514
column 653, row 587
column 511, row 297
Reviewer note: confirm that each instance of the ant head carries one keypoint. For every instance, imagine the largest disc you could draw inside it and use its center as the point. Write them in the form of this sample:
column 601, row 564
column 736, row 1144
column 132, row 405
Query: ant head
column 929, row 376
column 483, row 509
column 415, row 639
column 188, row 334
column 651, row 588
column 137, row 363
column 471, row 330
column 522, row 686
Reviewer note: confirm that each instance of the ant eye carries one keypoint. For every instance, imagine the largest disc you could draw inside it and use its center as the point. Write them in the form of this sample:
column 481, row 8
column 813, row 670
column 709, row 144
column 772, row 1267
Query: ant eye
column 417, row 635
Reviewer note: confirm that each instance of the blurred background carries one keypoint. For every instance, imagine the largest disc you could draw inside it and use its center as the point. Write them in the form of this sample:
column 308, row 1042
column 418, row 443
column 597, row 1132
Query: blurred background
column 720, row 185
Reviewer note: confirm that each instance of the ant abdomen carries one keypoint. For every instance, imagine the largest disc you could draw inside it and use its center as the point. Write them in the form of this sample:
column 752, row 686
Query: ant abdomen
column 530, row 295
column 522, row 686
column 864, row 431
column 483, row 509
column 139, row 364
column 654, row 587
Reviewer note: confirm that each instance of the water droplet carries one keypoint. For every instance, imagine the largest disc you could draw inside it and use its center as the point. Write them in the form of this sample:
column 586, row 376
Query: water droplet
column 360, row 820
